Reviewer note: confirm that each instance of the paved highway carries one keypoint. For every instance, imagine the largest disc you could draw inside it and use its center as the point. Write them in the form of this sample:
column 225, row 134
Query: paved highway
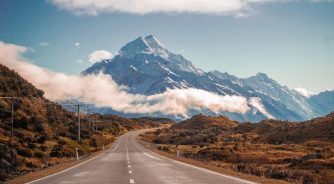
column 129, row 162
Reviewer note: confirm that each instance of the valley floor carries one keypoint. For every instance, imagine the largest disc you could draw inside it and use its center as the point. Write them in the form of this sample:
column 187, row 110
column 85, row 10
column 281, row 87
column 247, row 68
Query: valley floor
column 264, row 163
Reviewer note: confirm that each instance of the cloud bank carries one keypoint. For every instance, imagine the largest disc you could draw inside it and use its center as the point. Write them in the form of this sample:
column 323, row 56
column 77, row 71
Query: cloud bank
column 95, row 7
column 102, row 91
column 99, row 55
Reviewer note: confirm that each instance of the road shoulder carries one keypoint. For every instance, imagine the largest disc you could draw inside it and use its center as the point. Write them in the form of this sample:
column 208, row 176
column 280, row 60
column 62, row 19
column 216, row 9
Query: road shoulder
column 26, row 178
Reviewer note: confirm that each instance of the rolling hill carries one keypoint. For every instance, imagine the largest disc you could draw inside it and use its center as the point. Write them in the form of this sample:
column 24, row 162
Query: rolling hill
column 297, row 152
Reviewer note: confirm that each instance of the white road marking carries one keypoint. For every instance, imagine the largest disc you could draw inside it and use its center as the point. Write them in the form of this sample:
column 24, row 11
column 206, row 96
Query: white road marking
column 110, row 149
column 132, row 181
column 81, row 173
column 130, row 172
column 129, row 166
column 151, row 156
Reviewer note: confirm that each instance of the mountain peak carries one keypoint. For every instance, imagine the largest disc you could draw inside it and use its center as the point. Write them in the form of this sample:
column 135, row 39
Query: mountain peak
column 153, row 42
column 146, row 45
column 262, row 75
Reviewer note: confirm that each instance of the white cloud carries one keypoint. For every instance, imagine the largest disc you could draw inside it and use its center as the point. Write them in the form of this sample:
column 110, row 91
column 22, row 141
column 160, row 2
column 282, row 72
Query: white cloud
column 257, row 104
column 102, row 91
column 304, row 92
column 77, row 44
column 44, row 44
column 95, row 7
column 99, row 55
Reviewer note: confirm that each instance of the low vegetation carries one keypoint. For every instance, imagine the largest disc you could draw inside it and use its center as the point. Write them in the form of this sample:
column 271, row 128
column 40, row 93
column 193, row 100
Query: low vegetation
column 45, row 134
column 294, row 152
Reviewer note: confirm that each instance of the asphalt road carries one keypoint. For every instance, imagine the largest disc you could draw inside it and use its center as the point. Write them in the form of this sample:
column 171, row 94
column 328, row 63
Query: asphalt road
column 129, row 162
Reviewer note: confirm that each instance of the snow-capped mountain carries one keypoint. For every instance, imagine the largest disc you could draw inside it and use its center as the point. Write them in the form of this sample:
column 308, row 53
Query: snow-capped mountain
column 147, row 67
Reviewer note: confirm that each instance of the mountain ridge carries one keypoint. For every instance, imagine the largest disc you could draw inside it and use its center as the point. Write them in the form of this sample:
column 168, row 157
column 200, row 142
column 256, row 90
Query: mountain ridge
column 147, row 67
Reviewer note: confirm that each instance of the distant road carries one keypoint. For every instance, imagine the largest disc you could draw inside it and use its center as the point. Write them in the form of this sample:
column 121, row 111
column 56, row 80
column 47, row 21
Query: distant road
column 128, row 162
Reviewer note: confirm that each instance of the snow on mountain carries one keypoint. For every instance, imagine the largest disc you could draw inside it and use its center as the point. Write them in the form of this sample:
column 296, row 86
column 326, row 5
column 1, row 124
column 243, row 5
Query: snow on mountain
column 147, row 67
column 304, row 92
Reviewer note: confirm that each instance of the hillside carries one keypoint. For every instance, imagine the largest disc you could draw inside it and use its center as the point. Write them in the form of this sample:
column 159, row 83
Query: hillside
column 46, row 134
column 202, row 122
column 320, row 129
column 298, row 152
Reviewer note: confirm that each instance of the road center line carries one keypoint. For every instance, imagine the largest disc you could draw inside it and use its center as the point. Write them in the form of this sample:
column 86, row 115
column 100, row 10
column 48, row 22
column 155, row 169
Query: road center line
column 132, row 181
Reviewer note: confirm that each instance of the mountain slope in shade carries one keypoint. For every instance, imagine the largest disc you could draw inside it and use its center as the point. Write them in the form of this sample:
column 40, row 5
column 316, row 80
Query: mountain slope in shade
column 322, row 102
column 147, row 67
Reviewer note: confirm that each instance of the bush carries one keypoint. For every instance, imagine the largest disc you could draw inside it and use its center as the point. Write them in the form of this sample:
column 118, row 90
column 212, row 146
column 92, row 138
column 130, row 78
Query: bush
column 163, row 148
column 61, row 142
column 31, row 146
column 3, row 177
column 31, row 165
column 56, row 151
column 42, row 139
column 38, row 154
column 43, row 148
column 24, row 152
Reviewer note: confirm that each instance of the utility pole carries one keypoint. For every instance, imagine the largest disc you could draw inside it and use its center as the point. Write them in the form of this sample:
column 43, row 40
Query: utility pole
column 12, row 115
column 11, row 122
column 79, row 126
column 78, row 110
column 94, row 119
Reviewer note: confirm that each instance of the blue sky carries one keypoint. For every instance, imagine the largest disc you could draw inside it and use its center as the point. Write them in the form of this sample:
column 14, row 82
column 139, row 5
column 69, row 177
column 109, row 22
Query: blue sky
column 293, row 42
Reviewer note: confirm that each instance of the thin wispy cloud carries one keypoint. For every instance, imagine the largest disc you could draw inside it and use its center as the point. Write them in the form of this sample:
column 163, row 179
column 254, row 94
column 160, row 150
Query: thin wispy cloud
column 220, row 7
column 44, row 44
